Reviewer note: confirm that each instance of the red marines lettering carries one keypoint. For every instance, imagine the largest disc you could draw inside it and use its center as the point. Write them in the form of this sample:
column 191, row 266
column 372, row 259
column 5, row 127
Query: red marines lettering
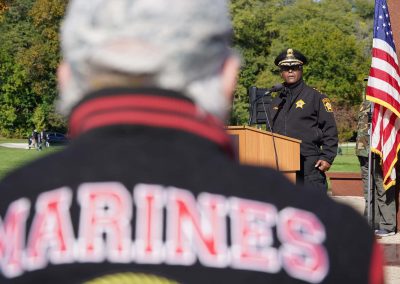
column 150, row 201
column 12, row 238
column 252, row 239
column 51, row 235
column 106, row 208
column 192, row 227
column 303, row 255
column 195, row 229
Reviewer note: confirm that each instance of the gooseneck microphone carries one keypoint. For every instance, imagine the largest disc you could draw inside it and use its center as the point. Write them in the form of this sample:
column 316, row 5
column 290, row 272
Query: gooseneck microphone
column 261, row 93
column 257, row 98
column 276, row 88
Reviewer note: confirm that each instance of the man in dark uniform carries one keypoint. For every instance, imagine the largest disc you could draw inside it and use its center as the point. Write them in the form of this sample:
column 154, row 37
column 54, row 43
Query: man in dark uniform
column 149, row 190
column 302, row 112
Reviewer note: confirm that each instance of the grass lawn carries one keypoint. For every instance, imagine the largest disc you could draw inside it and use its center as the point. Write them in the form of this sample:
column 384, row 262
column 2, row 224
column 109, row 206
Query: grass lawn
column 11, row 158
column 347, row 161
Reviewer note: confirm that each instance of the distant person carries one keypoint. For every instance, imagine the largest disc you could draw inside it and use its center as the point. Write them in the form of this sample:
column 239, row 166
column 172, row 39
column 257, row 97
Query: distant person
column 302, row 112
column 382, row 203
column 44, row 138
column 29, row 141
column 35, row 139
column 39, row 142
column 149, row 191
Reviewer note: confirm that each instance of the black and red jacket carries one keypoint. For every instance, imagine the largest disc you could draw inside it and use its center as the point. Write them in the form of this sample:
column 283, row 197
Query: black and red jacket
column 149, row 190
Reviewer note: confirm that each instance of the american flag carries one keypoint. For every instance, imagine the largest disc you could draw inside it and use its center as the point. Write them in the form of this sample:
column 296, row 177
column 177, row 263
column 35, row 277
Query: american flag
column 384, row 90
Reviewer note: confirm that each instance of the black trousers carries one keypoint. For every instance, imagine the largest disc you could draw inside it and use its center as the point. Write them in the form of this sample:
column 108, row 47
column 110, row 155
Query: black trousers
column 309, row 175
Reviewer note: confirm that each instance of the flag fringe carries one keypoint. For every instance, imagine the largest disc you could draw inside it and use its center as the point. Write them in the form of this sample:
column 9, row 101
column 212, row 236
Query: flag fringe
column 391, row 167
column 383, row 103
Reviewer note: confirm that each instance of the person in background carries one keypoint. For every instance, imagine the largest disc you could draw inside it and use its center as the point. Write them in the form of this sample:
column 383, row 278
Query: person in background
column 149, row 190
column 35, row 139
column 44, row 138
column 382, row 203
column 302, row 112
column 30, row 142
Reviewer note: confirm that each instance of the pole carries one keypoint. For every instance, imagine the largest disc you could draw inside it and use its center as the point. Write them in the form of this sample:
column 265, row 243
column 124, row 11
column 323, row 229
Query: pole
column 370, row 170
column 369, row 209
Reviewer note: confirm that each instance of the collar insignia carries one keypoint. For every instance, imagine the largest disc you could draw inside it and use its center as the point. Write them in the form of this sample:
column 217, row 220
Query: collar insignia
column 300, row 104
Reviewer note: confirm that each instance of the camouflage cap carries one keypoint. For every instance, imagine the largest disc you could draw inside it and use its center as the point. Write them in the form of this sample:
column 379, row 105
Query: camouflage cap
column 146, row 36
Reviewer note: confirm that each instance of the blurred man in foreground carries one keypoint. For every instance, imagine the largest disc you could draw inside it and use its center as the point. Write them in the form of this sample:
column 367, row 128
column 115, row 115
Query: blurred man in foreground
column 149, row 191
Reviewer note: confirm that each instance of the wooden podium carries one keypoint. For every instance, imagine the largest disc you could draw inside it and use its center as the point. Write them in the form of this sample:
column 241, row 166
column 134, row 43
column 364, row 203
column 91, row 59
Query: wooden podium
column 255, row 147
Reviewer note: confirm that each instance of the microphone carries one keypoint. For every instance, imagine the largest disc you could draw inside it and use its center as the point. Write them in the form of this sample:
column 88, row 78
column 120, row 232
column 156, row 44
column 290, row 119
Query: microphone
column 276, row 88
column 261, row 93
column 257, row 98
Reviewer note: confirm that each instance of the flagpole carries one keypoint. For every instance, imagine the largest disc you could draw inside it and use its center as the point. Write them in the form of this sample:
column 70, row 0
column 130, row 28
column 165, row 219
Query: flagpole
column 369, row 198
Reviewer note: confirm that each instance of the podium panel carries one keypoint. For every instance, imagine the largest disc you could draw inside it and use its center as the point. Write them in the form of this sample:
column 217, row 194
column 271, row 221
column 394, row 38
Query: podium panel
column 255, row 147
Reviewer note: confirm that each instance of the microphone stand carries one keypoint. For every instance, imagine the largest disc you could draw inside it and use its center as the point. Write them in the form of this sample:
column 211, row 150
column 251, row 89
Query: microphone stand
column 272, row 135
column 253, row 105
column 267, row 121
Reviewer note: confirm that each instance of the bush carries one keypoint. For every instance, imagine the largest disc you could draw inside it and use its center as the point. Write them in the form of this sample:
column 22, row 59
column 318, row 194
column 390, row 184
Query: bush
column 346, row 121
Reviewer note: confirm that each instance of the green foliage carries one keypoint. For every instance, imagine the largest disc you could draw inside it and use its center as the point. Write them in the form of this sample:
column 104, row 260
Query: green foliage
column 39, row 117
column 335, row 35
column 29, row 56
column 346, row 120
column 252, row 38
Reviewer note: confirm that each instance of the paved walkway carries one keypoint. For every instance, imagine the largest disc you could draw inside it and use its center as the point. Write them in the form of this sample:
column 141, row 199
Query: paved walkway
column 15, row 145
column 391, row 244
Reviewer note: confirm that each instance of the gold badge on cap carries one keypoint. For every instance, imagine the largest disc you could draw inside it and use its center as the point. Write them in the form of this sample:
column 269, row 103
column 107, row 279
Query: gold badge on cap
column 300, row 104
column 289, row 53
column 327, row 104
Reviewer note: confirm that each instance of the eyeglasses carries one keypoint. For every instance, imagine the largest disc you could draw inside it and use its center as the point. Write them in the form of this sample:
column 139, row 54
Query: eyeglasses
column 293, row 68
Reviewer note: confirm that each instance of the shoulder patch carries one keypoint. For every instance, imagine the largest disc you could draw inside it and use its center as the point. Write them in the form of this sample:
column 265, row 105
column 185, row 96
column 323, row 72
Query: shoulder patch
column 327, row 104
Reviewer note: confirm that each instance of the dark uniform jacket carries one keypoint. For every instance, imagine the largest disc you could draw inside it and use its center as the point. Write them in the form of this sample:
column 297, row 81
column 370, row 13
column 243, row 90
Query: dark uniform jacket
column 149, row 191
column 304, row 113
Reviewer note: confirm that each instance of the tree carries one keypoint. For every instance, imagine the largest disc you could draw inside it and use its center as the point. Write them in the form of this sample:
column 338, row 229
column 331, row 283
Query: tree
column 253, row 35
column 29, row 57
column 335, row 35
column 3, row 6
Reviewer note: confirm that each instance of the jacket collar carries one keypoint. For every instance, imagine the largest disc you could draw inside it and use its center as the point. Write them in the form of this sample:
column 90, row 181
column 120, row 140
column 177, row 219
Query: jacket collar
column 146, row 107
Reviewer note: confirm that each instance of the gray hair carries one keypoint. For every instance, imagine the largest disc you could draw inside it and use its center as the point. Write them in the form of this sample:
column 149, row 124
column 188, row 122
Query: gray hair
column 179, row 44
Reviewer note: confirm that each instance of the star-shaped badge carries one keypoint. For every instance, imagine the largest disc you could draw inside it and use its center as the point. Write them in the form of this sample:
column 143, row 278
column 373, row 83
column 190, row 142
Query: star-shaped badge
column 300, row 104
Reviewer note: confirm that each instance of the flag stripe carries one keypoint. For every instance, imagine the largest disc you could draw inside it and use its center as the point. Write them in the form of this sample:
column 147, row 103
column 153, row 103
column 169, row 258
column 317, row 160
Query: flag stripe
column 383, row 46
column 390, row 82
column 376, row 122
column 381, row 97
